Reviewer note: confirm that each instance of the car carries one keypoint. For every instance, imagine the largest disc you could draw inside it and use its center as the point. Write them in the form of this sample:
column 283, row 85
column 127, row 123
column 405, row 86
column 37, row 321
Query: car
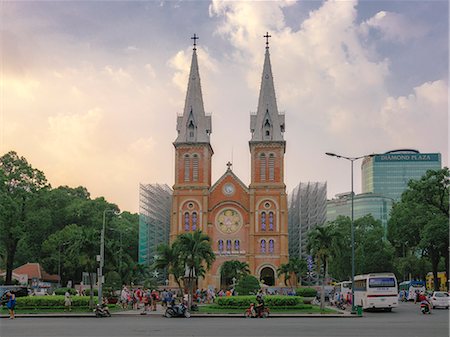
column 19, row 291
column 440, row 299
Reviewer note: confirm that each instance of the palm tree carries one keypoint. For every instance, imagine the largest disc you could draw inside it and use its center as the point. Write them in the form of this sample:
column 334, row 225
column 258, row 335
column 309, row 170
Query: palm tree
column 194, row 250
column 169, row 259
column 319, row 244
column 233, row 269
column 295, row 266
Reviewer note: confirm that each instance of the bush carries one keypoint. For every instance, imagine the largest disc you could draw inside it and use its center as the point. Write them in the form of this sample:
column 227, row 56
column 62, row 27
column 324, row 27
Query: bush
column 306, row 292
column 247, row 285
column 57, row 301
column 62, row 291
column 88, row 292
column 271, row 301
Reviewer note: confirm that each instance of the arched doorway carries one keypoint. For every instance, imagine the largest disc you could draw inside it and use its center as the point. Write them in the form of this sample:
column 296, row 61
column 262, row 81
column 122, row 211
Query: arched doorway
column 268, row 276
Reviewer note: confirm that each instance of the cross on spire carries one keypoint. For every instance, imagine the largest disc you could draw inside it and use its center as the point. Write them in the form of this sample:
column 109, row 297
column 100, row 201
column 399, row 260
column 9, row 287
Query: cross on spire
column 195, row 37
column 267, row 39
column 229, row 165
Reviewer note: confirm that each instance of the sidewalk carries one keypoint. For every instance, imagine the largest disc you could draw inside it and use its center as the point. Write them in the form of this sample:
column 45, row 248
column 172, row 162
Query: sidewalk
column 160, row 312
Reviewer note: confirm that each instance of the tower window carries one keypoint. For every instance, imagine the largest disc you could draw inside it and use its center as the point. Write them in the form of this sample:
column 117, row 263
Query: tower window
column 195, row 168
column 237, row 245
column 263, row 246
column 194, row 221
column 262, row 161
column 271, row 246
column 186, row 221
column 187, row 165
column 263, row 221
column 229, row 246
column 270, row 221
column 267, row 133
column 271, row 167
column 220, row 246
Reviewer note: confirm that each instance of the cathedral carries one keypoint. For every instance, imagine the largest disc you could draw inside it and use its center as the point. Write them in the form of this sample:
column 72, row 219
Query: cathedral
column 248, row 223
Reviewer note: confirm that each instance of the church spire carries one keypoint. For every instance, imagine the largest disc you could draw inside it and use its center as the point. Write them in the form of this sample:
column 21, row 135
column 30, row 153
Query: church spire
column 268, row 123
column 193, row 126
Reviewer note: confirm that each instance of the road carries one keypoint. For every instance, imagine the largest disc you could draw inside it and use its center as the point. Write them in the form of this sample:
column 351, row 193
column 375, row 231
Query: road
column 405, row 320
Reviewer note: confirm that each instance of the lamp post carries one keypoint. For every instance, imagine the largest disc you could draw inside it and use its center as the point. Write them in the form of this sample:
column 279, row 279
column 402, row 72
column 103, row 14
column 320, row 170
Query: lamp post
column 102, row 254
column 351, row 159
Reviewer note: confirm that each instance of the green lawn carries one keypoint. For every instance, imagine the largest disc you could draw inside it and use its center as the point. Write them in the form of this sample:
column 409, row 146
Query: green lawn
column 215, row 309
column 57, row 310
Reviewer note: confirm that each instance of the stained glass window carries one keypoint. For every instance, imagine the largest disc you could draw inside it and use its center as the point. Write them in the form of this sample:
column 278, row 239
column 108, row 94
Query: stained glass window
column 263, row 246
column 194, row 221
column 186, row 221
column 271, row 246
column 237, row 245
column 263, row 221
column 229, row 246
column 270, row 221
column 220, row 246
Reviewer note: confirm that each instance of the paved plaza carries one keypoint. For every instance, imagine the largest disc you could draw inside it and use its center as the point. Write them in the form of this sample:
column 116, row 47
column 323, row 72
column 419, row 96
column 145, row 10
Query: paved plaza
column 404, row 321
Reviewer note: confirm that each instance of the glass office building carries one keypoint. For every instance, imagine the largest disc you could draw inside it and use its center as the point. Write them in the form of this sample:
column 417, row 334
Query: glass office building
column 363, row 204
column 388, row 174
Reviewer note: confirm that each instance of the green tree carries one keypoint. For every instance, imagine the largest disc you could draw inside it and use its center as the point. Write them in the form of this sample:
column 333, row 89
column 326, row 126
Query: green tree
column 169, row 260
column 194, row 250
column 320, row 245
column 295, row 267
column 419, row 222
column 247, row 285
column 340, row 264
column 20, row 186
column 233, row 269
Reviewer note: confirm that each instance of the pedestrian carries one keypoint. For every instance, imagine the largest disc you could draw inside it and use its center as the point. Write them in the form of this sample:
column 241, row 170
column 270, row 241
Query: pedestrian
column 67, row 301
column 124, row 297
column 155, row 298
column 11, row 304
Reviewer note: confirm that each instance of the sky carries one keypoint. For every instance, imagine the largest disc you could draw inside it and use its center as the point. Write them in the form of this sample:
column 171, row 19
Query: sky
column 90, row 91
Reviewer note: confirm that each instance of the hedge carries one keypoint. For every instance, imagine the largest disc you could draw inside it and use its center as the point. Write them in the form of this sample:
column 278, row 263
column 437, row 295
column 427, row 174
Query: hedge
column 306, row 292
column 271, row 301
column 62, row 291
column 55, row 301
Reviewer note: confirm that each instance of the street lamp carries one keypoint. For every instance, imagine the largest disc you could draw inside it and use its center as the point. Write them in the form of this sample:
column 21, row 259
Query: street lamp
column 351, row 159
column 59, row 261
column 102, row 254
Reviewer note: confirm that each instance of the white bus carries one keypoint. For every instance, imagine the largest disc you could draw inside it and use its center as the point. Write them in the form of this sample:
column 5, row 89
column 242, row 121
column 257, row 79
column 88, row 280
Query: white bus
column 410, row 288
column 344, row 288
column 376, row 290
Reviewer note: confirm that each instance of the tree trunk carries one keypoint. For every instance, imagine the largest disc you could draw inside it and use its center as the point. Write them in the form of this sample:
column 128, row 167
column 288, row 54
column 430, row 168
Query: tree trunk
column 91, row 293
column 10, row 254
column 434, row 256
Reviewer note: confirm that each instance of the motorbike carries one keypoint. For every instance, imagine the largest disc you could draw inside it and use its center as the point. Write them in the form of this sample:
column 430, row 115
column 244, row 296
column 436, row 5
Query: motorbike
column 178, row 310
column 101, row 311
column 341, row 305
column 253, row 312
column 425, row 307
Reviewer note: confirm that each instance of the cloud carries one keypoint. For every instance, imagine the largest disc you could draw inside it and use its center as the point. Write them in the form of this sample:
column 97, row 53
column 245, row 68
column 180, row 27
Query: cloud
column 394, row 27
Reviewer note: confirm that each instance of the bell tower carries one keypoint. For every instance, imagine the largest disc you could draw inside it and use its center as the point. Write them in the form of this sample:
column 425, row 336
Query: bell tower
column 268, row 200
column 193, row 154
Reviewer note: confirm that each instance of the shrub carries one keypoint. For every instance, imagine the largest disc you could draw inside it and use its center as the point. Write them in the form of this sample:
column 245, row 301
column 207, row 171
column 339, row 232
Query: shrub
column 57, row 301
column 271, row 301
column 62, row 291
column 247, row 285
column 88, row 292
column 306, row 292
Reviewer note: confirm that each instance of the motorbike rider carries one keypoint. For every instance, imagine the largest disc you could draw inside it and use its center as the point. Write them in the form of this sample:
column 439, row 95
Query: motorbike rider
column 260, row 306
column 423, row 299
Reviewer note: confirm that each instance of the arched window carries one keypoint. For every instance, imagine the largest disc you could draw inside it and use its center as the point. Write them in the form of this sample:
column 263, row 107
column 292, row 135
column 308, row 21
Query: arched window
column 186, row 221
column 263, row 221
column 270, row 221
column 262, row 162
column 263, row 246
column 220, row 246
column 195, row 168
column 228, row 246
column 271, row 167
column 194, row 221
column 237, row 245
column 186, row 167
column 271, row 246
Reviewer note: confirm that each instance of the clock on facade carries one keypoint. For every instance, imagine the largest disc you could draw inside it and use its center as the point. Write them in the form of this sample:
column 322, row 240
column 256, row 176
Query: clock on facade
column 229, row 221
column 228, row 189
